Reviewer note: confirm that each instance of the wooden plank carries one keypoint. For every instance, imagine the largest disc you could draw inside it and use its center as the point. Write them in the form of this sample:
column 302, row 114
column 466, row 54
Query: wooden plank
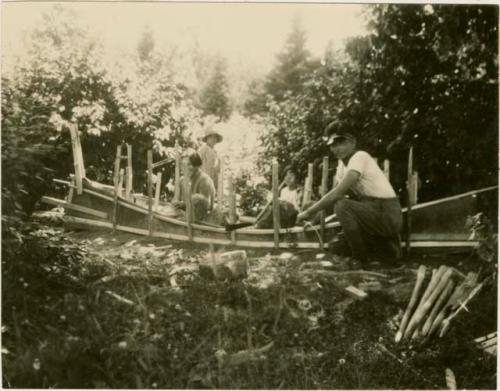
column 77, row 208
column 71, row 191
column 232, row 207
column 76, row 159
column 220, row 187
column 120, row 182
column 177, row 179
column 187, row 200
column 409, row 206
column 150, row 192
column 309, row 184
column 276, row 203
column 80, row 153
column 157, row 190
column 413, row 189
column 324, row 190
column 387, row 168
column 128, row 174
column 116, row 181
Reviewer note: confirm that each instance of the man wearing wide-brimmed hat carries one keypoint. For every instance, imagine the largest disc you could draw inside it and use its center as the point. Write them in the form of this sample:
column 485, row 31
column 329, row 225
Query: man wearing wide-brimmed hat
column 210, row 159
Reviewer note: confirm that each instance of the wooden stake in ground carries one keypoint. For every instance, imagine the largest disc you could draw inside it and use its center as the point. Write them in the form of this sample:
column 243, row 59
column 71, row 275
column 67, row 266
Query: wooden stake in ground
column 116, row 182
column 276, row 204
column 412, row 303
column 77, row 158
column 150, row 192
column 177, row 181
column 232, row 207
column 220, row 188
column 308, row 184
column 324, row 190
column 409, row 190
column 129, row 174
column 187, row 199
column 157, row 190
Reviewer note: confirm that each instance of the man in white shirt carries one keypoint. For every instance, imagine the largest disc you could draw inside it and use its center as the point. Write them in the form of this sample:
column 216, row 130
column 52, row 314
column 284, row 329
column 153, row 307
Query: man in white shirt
column 374, row 210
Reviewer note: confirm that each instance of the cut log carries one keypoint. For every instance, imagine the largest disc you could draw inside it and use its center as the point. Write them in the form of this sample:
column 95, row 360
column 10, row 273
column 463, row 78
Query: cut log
column 437, row 307
column 435, row 289
column 412, row 303
column 230, row 265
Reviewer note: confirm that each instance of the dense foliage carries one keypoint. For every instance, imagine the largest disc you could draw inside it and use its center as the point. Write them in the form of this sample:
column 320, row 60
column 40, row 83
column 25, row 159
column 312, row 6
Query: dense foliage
column 425, row 76
column 67, row 79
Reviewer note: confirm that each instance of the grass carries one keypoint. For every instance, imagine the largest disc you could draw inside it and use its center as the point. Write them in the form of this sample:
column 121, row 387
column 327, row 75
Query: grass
column 61, row 328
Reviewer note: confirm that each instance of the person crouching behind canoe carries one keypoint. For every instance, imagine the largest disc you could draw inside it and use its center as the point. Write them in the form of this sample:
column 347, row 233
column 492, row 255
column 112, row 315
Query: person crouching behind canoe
column 202, row 188
column 291, row 192
column 376, row 211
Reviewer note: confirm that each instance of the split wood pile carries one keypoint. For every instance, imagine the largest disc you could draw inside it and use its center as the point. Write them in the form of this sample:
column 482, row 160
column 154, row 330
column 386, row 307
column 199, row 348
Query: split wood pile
column 488, row 343
column 431, row 310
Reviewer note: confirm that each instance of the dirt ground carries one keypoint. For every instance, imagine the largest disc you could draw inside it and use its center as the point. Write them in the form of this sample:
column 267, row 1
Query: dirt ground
column 151, row 320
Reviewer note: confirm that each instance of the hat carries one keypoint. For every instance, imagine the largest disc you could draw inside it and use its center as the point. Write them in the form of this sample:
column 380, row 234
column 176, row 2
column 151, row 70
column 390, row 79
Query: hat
column 329, row 135
column 209, row 131
column 336, row 136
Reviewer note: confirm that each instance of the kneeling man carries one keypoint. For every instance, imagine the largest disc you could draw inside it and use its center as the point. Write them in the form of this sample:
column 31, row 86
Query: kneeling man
column 373, row 211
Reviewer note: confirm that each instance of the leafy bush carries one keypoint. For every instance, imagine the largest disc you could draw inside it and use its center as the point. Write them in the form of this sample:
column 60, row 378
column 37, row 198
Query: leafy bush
column 253, row 196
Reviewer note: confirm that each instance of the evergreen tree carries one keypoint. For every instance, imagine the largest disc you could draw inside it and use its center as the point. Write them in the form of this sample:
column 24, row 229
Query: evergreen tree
column 214, row 97
column 146, row 45
column 294, row 64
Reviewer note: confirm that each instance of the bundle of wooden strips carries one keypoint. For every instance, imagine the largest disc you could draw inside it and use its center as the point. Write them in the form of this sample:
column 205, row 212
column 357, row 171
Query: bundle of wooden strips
column 488, row 343
column 446, row 294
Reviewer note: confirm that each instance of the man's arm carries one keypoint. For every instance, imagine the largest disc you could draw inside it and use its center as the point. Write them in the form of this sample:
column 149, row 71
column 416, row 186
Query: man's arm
column 332, row 196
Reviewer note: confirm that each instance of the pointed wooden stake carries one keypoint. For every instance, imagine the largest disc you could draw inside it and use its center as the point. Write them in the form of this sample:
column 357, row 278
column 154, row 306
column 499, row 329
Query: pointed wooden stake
column 177, row 178
column 116, row 183
column 129, row 174
column 409, row 199
column 150, row 192
column 187, row 199
column 157, row 190
column 220, row 187
column 324, row 190
column 77, row 157
column 232, row 207
column 276, row 204
column 309, row 184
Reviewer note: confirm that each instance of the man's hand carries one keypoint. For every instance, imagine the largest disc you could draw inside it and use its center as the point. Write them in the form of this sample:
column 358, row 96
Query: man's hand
column 179, row 205
column 302, row 216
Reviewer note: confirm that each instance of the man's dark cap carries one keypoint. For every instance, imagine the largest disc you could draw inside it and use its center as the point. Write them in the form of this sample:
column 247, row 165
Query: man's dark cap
column 330, row 136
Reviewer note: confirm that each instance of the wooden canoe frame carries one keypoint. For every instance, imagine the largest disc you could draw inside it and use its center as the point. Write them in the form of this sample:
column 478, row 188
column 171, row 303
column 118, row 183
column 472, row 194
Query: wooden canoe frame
column 94, row 205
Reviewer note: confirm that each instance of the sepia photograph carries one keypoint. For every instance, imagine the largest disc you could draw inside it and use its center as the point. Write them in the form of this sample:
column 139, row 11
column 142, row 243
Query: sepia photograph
column 249, row 195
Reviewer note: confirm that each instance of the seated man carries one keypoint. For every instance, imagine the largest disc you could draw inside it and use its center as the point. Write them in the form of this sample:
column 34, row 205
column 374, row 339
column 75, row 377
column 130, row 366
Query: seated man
column 375, row 212
column 202, row 188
